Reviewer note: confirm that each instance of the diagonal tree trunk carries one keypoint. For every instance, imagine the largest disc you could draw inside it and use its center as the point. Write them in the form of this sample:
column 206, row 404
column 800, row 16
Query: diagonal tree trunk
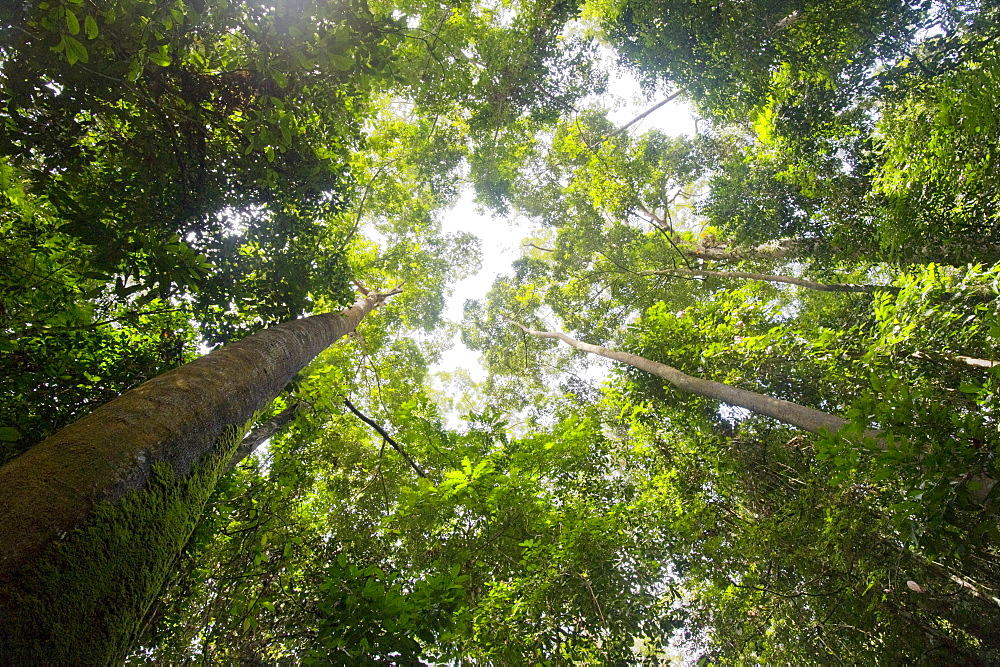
column 670, row 98
column 92, row 518
column 957, row 358
column 262, row 433
column 765, row 277
column 808, row 419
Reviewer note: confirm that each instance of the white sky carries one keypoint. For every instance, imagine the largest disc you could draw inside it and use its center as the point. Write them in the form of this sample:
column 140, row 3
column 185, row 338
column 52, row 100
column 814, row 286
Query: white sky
column 502, row 237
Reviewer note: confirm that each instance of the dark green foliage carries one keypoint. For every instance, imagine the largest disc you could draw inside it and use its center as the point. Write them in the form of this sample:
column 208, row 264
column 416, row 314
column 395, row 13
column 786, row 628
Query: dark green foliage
column 728, row 55
column 51, row 378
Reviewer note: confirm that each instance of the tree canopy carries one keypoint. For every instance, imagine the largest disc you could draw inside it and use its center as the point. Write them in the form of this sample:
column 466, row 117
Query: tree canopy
column 176, row 175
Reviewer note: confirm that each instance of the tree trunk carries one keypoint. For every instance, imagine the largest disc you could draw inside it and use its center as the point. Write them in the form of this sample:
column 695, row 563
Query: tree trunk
column 958, row 358
column 808, row 419
column 92, row 518
column 255, row 438
column 782, row 249
column 801, row 282
column 670, row 98
column 711, row 249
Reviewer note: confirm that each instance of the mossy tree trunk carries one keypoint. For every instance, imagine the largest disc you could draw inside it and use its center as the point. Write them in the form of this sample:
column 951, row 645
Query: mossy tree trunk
column 93, row 518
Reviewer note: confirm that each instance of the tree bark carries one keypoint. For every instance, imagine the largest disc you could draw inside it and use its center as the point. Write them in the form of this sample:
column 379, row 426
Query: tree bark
column 801, row 282
column 808, row 419
column 92, row 518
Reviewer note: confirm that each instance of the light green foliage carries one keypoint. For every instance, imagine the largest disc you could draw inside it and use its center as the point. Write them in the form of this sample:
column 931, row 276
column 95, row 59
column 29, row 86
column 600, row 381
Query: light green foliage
column 938, row 143
column 732, row 57
column 791, row 548
column 550, row 542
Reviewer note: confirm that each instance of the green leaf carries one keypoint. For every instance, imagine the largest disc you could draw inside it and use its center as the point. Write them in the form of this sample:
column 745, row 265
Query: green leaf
column 134, row 70
column 161, row 59
column 75, row 51
column 341, row 63
column 90, row 27
column 72, row 23
column 9, row 434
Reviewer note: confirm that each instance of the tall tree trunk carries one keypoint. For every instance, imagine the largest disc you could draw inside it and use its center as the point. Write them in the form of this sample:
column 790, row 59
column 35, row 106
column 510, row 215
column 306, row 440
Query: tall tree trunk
column 808, row 419
column 782, row 249
column 92, row 518
column 765, row 277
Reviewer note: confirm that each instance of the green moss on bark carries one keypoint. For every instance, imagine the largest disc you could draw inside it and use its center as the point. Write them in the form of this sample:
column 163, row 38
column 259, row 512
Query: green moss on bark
column 83, row 600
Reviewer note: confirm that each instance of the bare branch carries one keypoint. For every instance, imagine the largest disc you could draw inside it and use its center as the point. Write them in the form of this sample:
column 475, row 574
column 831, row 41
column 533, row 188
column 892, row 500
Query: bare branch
column 670, row 98
column 385, row 436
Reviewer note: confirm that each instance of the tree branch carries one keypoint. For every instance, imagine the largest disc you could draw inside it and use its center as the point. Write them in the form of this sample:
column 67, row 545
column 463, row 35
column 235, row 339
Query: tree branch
column 806, row 418
column 385, row 436
column 670, row 98
column 801, row 282
column 255, row 438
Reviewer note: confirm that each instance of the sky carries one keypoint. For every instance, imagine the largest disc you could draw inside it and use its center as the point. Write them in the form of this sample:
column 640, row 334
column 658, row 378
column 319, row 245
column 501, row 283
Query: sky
column 501, row 238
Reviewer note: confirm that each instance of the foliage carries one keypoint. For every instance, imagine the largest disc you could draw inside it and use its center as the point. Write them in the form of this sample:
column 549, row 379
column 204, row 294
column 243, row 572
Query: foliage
column 730, row 56
column 178, row 174
column 937, row 141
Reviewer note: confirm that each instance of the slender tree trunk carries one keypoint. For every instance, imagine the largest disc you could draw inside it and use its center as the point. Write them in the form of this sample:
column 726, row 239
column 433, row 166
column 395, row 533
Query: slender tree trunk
column 92, row 518
column 960, row 358
column 773, row 250
column 801, row 282
column 259, row 435
column 973, row 361
column 783, row 249
column 670, row 98
column 808, row 419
